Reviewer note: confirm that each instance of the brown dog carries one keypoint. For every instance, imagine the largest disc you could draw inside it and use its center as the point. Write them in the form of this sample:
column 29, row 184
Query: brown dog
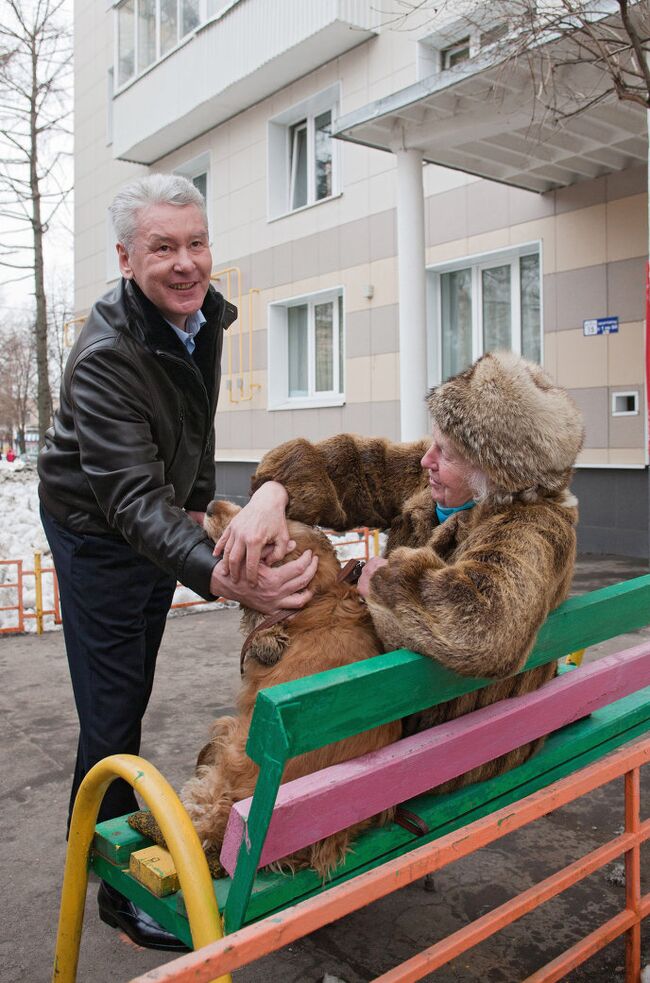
column 334, row 629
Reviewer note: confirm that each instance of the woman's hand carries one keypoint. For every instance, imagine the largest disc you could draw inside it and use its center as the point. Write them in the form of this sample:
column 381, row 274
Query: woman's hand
column 258, row 532
column 372, row 565
column 277, row 587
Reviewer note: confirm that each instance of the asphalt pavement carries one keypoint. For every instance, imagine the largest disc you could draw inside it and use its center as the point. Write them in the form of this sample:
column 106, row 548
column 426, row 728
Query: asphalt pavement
column 197, row 679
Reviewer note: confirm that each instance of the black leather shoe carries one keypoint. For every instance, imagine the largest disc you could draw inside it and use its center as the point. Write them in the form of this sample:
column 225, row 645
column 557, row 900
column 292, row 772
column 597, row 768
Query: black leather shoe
column 118, row 912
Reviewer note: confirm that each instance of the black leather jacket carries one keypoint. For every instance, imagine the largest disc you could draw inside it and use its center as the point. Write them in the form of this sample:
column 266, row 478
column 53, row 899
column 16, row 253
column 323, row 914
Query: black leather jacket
column 133, row 439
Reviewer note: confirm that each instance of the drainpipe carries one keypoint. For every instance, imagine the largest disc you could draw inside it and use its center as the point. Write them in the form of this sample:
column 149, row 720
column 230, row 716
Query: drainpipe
column 414, row 421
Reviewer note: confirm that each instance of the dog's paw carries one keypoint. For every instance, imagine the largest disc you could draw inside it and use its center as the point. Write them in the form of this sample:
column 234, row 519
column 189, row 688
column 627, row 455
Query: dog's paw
column 268, row 646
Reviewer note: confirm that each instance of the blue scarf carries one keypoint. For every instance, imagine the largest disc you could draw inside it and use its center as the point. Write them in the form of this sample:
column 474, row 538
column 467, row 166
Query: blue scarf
column 443, row 513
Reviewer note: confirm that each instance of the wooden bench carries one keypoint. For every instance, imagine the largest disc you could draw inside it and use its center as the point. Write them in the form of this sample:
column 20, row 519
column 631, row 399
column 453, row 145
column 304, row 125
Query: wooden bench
column 587, row 712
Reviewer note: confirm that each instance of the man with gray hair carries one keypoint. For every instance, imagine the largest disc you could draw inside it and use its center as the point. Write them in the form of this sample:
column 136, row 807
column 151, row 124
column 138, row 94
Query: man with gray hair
column 125, row 477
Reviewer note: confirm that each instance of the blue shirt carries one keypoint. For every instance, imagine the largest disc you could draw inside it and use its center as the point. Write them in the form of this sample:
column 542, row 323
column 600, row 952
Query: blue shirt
column 443, row 513
column 193, row 325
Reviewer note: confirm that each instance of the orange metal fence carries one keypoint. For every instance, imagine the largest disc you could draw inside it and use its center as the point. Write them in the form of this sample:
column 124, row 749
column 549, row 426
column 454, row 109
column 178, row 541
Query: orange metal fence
column 251, row 943
column 39, row 612
column 363, row 537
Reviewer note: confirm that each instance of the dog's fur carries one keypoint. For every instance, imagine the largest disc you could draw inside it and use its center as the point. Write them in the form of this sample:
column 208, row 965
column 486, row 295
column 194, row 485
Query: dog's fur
column 334, row 629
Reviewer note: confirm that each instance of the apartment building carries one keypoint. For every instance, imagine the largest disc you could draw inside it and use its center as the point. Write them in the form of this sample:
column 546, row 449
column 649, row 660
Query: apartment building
column 381, row 218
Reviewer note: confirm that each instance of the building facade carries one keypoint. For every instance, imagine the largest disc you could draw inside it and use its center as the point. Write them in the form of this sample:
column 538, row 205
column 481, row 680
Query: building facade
column 317, row 238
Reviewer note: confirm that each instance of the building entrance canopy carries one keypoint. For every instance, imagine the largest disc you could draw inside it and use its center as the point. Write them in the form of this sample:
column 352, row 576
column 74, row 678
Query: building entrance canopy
column 489, row 117
column 482, row 117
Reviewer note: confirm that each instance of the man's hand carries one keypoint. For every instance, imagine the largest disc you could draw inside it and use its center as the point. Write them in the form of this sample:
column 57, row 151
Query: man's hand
column 372, row 565
column 259, row 531
column 277, row 587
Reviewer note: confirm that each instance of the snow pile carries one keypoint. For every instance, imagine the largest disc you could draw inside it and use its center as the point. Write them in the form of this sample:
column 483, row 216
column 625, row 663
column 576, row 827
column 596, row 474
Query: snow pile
column 21, row 535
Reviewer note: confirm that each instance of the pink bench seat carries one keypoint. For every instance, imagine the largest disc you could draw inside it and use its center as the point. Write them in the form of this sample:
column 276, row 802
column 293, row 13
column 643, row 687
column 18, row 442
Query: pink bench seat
column 311, row 808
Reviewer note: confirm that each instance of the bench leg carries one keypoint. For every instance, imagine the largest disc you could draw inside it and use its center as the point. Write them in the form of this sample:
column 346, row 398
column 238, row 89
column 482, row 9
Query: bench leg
column 176, row 826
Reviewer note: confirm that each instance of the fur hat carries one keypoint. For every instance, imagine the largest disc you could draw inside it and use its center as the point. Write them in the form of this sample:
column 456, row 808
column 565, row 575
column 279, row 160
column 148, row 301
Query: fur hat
column 510, row 420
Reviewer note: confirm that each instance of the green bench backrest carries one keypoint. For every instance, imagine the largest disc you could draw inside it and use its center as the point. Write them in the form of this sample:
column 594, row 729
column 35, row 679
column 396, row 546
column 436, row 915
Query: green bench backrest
column 308, row 713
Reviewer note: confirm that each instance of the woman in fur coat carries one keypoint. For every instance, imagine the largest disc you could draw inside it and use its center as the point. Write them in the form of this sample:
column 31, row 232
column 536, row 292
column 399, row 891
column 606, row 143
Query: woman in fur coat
column 481, row 525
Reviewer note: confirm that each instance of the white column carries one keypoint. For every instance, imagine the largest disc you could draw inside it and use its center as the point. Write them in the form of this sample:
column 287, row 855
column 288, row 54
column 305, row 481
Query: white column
column 414, row 421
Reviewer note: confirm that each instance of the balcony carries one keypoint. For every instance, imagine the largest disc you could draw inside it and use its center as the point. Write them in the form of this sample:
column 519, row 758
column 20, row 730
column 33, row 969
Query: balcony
column 233, row 61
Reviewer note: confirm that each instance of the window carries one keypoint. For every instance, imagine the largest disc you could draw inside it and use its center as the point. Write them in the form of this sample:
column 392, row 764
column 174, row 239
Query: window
column 625, row 404
column 302, row 155
column 200, row 182
column 483, row 305
column 456, row 54
column 146, row 33
column 125, row 41
column 112, row 263
column 458, row 42
column 215, row 7
column 306, row 351
column 298, row 140
column 148, row 29
column 110, row 89
column 198, row 171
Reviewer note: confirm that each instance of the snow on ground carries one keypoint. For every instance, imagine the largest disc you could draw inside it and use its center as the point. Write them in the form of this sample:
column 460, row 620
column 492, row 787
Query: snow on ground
column 21, row 534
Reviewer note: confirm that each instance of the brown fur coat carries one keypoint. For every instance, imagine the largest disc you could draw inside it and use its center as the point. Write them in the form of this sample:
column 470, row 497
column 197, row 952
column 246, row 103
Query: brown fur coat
column 471, row 593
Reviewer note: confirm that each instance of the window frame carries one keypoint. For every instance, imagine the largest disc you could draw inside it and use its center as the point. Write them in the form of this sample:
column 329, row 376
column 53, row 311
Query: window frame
column 159, row 56
column 477, row 263
column 281, row 161
column 112, row 266
column 458, row 47
column 433, row 49
column 293, row 132
column 278, row 357
column 634, row 393
column 192, row 168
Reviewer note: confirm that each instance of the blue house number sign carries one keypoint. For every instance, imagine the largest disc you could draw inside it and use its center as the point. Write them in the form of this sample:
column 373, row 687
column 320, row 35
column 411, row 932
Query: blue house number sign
column 600, row 325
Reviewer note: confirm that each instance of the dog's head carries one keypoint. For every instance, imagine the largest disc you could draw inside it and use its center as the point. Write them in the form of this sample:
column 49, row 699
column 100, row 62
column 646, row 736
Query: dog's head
column 217, row 516
column 220, row 513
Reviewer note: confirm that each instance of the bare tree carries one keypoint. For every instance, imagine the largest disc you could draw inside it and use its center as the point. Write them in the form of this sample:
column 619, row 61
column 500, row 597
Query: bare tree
column 60, row 335
column 17, row 381
column 35, row 78
column 607, row 41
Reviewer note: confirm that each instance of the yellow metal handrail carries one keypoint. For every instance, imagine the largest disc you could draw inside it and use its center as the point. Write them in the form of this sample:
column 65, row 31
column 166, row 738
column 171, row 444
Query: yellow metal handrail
column 182, row 842
column 68, row 342
column 217, row 277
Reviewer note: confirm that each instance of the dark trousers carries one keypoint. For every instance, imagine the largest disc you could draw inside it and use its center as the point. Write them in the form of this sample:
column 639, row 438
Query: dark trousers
column 114, row 603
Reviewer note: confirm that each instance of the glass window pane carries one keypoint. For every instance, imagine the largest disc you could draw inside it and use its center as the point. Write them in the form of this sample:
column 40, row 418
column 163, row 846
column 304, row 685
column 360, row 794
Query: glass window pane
column 190, row 16
column 456, row 54
column 297, row 350
column 324, row 346
column 168, row 25
column 341, row 361
column 323, row 154
column 531, row 327
column 298, row 135
column 215, row 6
column 200, row 181
column 497, row 334
column 125, row 41
column 456, row 295
column 146, row 33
